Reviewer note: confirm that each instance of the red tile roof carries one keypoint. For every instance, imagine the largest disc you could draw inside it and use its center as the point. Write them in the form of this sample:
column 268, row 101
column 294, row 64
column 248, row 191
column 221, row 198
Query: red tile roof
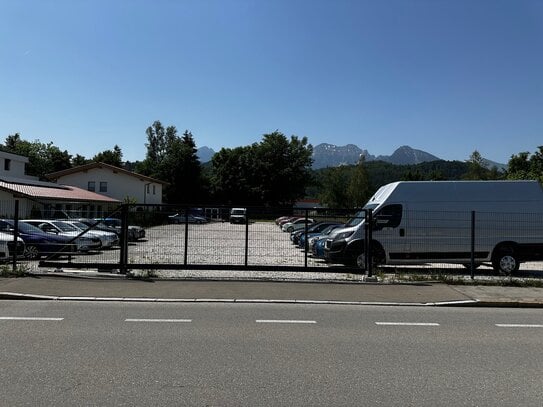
column 52, row 192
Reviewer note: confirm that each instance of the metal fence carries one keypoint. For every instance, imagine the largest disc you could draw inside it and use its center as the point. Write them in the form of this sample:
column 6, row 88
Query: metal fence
column 206, row 238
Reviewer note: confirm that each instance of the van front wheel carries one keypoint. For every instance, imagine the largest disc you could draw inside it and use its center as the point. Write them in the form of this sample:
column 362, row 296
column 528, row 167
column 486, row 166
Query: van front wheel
column 377, row 258
column 505, row 261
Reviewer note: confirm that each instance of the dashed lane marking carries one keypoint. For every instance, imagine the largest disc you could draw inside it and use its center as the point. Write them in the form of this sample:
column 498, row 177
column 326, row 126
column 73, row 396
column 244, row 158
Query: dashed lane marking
column 30, row 319
column 408, row 323
column 156, row 320
column 284, row 321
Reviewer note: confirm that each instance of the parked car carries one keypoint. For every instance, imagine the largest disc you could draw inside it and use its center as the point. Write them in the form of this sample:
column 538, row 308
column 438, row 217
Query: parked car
column 60, row 228
column 317, row 231
column 189, row 218
column 282, row 218
column 134, row 232
column 316, row 243
column 107, row 239
column 97, row 225
column 37, row 242
column 8, row 246
column 318, row 248
column 288, row 219
column 296, row 224
column 238, row 215
column 313, row 229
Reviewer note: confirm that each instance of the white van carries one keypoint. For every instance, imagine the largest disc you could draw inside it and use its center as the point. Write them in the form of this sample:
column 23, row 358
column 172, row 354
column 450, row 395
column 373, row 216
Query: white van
column 238, row 215
column 417, row 222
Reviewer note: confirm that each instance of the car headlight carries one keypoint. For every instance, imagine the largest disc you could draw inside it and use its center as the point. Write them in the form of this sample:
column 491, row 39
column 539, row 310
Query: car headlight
column 344, row 235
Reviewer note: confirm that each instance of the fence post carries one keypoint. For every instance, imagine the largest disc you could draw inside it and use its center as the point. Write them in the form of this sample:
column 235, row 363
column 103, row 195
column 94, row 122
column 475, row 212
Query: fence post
column 186, row 253
column 472, row 264
column 369, row 253
column 306, row 227
column 246, row 261
column 124, row 240
column 15, row 234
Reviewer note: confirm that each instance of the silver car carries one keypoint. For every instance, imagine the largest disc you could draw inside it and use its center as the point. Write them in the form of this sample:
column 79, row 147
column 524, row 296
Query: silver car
column 108, row 239
column 57, row 227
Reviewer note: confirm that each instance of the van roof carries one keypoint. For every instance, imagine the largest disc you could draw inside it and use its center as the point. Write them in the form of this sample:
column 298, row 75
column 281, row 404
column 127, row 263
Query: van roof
column 458, row 191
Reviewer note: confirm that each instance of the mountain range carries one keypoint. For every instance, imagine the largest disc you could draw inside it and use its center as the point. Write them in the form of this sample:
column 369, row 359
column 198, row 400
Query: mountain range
column 330, row 155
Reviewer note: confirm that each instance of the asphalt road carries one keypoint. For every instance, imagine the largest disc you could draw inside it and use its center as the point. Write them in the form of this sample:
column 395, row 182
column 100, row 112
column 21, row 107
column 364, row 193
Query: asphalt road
column 73, row 353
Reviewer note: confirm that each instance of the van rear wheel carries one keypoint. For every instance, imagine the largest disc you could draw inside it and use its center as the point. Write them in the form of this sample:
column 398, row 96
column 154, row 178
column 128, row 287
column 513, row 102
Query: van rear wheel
column 505, row 261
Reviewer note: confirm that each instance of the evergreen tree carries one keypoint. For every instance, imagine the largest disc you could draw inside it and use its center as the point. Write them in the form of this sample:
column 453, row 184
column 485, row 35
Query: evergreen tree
column 359, row 190
column 111, row 157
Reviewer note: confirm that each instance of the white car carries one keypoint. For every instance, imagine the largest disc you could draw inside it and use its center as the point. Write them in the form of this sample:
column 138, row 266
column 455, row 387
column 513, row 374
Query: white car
column 7, row 246
column 57, row 227
column 297, row 224
column 108, row 239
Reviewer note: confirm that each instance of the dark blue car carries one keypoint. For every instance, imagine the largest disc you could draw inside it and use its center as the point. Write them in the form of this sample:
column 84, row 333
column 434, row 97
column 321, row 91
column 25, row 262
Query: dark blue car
column 38, row 243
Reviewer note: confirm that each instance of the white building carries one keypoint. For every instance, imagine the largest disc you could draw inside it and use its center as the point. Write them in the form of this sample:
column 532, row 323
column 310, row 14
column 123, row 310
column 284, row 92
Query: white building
column 45, row 199
column 114, row 182
column 13, row 166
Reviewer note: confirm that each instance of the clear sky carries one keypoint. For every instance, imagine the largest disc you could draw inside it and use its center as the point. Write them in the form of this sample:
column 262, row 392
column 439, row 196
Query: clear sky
column 444, row 76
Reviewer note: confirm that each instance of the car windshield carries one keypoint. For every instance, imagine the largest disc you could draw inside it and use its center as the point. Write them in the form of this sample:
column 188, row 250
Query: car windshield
column 329, row 229
column 112, row 222
column 238, row 212
column 65, row 227
column 80, row 225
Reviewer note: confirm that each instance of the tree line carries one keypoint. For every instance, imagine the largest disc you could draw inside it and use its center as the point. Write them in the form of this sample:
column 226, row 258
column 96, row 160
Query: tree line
column 275, row 171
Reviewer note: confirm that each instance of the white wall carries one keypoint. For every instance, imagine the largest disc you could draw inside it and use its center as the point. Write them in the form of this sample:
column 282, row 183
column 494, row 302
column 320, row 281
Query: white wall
column 119, row 185
column 16, row 165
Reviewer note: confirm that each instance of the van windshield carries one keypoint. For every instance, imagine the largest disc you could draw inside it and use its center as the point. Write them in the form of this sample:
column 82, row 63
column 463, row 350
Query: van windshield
column 360, row 216
column 356, row 219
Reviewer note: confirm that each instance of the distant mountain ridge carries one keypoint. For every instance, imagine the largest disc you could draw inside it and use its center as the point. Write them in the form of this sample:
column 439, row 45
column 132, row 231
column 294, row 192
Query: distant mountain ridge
column 330, row 155
column 205, row 154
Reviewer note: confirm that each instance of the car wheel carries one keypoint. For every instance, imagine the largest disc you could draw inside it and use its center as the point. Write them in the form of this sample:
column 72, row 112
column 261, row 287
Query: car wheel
column 505, row 261
column 31, row 252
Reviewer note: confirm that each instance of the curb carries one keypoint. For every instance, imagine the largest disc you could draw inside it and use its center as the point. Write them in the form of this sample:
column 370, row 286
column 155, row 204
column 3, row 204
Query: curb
column 20, row 296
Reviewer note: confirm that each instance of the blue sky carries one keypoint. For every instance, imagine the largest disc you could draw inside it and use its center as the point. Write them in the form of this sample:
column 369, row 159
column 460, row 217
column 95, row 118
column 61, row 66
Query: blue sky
column 445, row 76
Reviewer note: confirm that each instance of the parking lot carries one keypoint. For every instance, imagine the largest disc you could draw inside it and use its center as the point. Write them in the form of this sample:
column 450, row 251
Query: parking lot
column 219, row 243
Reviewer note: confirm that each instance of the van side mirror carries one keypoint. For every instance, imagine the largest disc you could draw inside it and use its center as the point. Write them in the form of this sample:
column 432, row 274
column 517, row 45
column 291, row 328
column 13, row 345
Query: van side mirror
column 379, row 223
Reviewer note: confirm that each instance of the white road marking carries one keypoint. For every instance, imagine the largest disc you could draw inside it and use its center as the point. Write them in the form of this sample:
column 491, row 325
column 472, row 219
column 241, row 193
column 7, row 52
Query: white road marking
column 156, row 320
column 408, row 323
column 519, row 325
column 284, row 321
column 30, row 319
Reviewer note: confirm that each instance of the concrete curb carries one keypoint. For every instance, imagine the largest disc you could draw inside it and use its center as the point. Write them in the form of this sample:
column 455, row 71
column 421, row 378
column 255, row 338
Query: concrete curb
column 20, row 296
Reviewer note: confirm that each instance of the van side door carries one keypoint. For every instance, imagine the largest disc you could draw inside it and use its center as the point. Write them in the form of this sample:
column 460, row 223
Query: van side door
column 389, row 230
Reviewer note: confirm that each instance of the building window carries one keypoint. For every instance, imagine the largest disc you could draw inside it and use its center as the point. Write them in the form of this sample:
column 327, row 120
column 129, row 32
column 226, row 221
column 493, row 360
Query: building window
column 154, row 189
column 147, row 188
column 91, row 186
column 103, row 186
column 7, row 164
